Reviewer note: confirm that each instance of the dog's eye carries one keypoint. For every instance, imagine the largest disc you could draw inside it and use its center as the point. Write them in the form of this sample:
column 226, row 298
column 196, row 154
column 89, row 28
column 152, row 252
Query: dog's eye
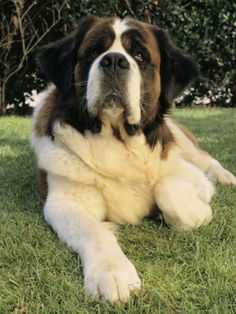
column 93, row 54
column 139, row 56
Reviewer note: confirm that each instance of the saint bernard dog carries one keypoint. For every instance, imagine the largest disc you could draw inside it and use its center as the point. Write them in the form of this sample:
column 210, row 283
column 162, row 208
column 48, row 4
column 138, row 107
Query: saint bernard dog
column 107, row 150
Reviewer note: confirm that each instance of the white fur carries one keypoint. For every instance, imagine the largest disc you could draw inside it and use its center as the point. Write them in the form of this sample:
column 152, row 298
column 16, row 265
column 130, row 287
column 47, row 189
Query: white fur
column 183, row 193
column 134, row 79
column 95, row 177
column 107, row 271
column 135, row 167
column 93, row 87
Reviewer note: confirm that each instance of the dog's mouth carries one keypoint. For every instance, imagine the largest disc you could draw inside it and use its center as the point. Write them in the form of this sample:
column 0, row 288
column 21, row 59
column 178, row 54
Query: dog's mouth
column 113, row 100
column 114, row 107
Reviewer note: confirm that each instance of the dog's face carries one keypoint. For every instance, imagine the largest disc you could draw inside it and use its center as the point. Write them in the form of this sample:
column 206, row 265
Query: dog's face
column 121, row 69
column 124, row 71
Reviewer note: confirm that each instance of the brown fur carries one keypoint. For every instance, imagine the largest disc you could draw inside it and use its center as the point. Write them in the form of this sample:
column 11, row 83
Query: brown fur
column 41, row 128
column 167, row 141
column 100, row 28
column 42, row 182
column 44, row 115
column 116, row 133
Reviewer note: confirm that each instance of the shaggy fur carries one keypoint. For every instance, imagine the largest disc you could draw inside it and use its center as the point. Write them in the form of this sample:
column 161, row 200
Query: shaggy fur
column 107, row 149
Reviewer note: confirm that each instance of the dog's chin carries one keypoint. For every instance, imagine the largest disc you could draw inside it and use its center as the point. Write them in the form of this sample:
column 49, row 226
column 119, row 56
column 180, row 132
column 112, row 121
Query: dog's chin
column 114, row 109
column 112, row 106
column 113, row 100
column 113, row 113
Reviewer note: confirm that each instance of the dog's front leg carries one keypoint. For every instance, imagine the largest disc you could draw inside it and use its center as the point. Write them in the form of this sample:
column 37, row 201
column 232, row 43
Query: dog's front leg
column 107, row 271
column 181, row 206
column 183, row 195
column 192, row 152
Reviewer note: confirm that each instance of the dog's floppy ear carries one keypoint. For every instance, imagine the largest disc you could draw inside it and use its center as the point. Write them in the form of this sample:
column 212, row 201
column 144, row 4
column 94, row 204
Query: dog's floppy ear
column 57, row 60
column 178, row 69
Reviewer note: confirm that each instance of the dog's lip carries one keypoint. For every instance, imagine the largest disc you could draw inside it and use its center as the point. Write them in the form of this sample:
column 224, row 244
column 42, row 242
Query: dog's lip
column 115, row 94
column 114, row 98
column 112, row 94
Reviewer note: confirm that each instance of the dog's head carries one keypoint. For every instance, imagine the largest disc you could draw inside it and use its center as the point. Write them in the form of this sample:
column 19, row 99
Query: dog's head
column 123, row 69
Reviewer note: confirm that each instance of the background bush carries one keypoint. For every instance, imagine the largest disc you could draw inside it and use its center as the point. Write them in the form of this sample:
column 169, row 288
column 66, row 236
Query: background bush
column 204, row 28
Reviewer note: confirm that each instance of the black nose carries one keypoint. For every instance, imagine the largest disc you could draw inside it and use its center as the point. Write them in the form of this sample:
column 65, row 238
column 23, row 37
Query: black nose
column 114, row 61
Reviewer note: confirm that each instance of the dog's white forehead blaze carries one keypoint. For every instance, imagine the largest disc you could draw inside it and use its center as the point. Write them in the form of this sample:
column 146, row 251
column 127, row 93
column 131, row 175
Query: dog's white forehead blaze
column 134, row 78
column 119, row 26
column 134, row 81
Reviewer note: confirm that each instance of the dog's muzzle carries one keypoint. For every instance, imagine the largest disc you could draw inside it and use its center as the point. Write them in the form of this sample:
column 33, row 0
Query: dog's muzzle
column 114, row 68
column 113, row 98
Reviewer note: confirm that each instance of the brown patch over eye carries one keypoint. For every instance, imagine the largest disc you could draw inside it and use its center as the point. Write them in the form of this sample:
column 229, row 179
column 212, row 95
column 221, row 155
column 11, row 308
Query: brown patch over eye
column 135, row 43
column 98, row 40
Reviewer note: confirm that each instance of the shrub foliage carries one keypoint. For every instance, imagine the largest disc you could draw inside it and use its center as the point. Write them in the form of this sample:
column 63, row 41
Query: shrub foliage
column 204, row 28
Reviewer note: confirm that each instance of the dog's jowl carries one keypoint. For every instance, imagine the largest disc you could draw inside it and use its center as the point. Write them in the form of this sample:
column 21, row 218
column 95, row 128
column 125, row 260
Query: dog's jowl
column 106, row 148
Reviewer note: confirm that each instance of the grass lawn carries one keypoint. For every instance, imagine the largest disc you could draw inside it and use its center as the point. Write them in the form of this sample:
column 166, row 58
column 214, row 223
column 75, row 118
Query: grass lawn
column 190, row 272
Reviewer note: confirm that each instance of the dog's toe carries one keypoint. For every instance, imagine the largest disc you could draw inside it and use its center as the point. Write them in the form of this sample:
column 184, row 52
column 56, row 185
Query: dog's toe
column 112, row 281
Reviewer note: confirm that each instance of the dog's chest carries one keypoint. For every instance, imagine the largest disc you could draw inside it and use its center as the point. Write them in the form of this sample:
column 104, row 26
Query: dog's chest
column 130, row 161
column 126, row 202
column 125, row 174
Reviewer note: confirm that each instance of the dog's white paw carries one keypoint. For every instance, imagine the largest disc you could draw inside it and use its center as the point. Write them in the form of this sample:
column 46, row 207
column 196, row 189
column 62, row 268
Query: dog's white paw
column 181, row 204
column 221, row 174
column 205, row 190
column 191, row 218
column 112, row 279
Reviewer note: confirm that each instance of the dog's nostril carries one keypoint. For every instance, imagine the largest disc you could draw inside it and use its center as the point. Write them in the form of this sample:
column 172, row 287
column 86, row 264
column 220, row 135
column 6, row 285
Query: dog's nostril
column 123, row 63
column 105, row 62
column 114, row 61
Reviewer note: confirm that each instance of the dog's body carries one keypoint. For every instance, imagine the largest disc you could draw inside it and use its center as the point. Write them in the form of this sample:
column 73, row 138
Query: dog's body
column 109, row 151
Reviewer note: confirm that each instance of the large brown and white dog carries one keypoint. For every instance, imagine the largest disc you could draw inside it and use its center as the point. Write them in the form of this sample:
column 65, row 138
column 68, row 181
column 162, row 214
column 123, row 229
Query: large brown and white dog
column 108, row 150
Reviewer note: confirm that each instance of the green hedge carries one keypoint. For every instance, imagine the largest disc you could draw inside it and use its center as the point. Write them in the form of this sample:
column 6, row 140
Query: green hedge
column 204, row 28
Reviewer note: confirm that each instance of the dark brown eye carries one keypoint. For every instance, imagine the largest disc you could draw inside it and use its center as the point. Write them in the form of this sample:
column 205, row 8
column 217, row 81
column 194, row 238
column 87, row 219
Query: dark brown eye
column 139, row 57
column 93, row 54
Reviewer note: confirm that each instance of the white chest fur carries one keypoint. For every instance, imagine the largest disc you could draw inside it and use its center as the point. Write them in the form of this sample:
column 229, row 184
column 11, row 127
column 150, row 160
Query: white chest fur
column 122, row 174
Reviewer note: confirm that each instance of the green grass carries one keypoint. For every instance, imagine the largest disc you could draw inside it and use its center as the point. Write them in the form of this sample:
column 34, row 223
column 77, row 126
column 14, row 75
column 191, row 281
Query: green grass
column 192, row 272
